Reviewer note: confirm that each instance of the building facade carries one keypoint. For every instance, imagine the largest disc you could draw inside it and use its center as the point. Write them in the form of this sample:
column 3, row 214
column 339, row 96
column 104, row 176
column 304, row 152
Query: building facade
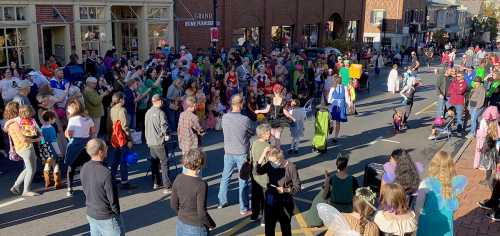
column 268, row 23
column 394, row 23
column 32, row 30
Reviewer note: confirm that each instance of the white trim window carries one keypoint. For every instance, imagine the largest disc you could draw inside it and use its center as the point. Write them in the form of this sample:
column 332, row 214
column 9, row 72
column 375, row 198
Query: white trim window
column 157, row 35
column 158, row 13
column 12, row 13
column 13, row 46
column 92, row 37
column 377, row 15
column 91, row 13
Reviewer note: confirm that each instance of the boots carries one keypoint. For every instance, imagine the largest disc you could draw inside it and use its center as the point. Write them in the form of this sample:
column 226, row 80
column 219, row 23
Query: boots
column 57, row 180
column 46, row 177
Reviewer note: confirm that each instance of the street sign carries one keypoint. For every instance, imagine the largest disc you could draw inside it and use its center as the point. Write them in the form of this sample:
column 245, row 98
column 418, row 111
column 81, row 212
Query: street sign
column 214, row 34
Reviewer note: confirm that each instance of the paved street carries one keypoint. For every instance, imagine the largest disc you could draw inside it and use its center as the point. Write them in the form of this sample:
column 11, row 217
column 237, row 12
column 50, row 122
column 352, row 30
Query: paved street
column 365, row 138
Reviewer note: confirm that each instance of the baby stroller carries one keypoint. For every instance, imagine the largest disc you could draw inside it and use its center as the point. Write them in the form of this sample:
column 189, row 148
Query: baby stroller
column 321, row 129
column 444, row 131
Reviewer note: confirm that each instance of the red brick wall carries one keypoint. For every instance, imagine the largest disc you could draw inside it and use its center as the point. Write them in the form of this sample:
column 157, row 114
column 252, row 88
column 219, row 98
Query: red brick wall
column 394, row 13
column 235, row 14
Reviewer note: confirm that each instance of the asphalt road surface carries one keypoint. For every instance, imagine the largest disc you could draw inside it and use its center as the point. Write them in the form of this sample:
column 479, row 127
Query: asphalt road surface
column 366, row 138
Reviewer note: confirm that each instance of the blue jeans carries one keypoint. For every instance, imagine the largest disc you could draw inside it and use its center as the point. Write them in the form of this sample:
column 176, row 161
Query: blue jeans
column 109, row 227
column 441, row 105
column 474, row 114
column 182, row 229
column 460, row 112
column 230, row 161
column 132, row 119
column 172, row 119
column 117, row 158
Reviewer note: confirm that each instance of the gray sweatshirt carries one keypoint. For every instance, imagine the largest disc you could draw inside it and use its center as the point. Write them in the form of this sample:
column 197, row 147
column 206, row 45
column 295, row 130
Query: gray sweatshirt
column 237, row 132
column 156, row 127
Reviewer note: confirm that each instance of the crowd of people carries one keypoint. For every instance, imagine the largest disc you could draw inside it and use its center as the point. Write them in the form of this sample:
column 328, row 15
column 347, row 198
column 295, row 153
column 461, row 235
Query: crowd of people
column 67, row 116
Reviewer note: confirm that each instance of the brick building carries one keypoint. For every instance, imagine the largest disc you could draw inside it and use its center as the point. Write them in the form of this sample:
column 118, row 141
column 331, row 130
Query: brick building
column 268, row 23
column 394, row 22
column 32, row 30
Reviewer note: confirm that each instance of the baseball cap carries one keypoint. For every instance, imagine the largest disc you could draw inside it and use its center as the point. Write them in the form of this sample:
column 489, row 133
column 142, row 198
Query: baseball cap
column 91, row 80
column 24, row 84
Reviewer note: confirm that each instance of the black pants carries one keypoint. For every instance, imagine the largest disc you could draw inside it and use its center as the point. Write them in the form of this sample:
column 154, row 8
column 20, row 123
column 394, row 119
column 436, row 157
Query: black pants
column 280, row 211
column 71, row 169
column 495, row 195
column 257, row 200
column 159, row 159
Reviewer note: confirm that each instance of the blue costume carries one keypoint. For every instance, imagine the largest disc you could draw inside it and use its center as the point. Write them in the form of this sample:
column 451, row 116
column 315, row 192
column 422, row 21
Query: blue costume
column 437, row 212
column 338, row 105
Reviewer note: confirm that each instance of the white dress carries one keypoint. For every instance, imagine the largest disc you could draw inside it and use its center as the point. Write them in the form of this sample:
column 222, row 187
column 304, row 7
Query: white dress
column 393, row 81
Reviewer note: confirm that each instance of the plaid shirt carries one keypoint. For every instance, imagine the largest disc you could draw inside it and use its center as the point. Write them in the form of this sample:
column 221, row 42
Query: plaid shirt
column 187, row 131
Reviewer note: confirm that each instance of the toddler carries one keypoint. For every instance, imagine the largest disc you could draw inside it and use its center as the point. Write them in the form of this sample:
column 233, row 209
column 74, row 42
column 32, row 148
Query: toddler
column 396, row 121
column 48, row 119
column 297, row 129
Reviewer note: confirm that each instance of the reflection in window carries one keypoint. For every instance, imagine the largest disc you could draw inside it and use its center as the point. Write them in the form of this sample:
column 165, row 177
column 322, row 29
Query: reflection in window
column 8, row 13
column 92, row 36
column 158, row 12
column 20, row 13
column 13, row 47
column 91, row 13
column 157, row 36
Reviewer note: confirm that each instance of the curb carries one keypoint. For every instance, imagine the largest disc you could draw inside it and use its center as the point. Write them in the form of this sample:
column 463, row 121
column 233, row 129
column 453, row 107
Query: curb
column 461, row 151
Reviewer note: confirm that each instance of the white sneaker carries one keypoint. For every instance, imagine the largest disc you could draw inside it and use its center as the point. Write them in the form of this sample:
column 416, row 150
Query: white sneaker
column 69, row 193
column 432, row 137
column 156, row 186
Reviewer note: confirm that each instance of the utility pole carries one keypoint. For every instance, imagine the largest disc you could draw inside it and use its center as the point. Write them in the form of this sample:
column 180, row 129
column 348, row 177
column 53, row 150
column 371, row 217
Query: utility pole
column 214, row 24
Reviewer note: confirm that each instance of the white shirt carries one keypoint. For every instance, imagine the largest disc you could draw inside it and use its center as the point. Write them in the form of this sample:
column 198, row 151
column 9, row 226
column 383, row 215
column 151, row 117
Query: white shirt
column 80, row 126
column 8, row 89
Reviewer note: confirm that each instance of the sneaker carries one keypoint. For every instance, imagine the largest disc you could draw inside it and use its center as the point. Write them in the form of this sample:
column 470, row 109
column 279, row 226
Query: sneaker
column 69, row 193
column 15, row 191
column 483, row 205
column 220, row 206
column 167, row 191
column 493, row 217
column 156, row 186
column 245, row 213
column 262, row 222
column 30, row 194
column 432, row 137
column 254, row 219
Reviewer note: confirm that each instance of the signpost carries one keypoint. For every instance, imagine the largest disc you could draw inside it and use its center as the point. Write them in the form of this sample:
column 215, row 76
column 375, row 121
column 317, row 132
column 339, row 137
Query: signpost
column 214, row 34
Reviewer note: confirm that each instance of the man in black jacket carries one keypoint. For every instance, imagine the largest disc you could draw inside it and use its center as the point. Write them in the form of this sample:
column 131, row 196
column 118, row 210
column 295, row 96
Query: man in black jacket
column 442, row 84
column 101, row 197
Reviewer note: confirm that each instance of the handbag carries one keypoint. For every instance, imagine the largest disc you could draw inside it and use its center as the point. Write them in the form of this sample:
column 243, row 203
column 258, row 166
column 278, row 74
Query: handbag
column 13, row 156
column 118, row 137
column 247, row 167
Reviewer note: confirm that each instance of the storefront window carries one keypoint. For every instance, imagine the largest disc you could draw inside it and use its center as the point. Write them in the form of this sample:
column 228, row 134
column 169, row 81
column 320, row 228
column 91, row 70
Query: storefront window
column 92, row 37
column 352, row 30
column 12, row 13
column 246, row 35
column 158, row 13
column 130, row 39
column 91, row 13
column 157, row 36
column 13, row 46
column 281, row 36
column 311, row 35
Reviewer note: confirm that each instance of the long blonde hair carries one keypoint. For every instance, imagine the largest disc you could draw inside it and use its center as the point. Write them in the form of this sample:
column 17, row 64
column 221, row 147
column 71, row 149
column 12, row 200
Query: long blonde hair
column 442, row 167
column 492, row 130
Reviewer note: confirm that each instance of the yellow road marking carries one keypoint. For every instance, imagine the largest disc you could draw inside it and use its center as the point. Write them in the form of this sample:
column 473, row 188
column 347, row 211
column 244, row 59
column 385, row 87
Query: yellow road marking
column 302, row 222
column 426, row 108
column 237, row 227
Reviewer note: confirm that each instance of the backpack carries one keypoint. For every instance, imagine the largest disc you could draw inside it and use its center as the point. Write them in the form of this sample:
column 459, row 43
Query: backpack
column 118, row 136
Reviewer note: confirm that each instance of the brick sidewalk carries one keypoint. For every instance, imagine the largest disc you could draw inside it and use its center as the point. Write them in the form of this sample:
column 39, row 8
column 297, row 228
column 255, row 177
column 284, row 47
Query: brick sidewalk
column 470, row 220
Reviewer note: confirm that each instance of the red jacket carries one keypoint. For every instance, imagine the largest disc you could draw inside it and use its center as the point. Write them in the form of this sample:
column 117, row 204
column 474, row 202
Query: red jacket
column 456, row 92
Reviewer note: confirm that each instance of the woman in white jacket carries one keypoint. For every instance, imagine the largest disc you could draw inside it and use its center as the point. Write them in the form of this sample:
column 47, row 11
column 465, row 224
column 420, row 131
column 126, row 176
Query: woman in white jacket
column 393, row 80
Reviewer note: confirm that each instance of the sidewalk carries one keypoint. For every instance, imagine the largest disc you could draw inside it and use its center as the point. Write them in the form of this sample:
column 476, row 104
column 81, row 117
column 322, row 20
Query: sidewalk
column 469, row 218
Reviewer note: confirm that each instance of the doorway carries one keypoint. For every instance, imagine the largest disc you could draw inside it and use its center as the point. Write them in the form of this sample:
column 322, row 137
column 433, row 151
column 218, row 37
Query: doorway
column 54, row 43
